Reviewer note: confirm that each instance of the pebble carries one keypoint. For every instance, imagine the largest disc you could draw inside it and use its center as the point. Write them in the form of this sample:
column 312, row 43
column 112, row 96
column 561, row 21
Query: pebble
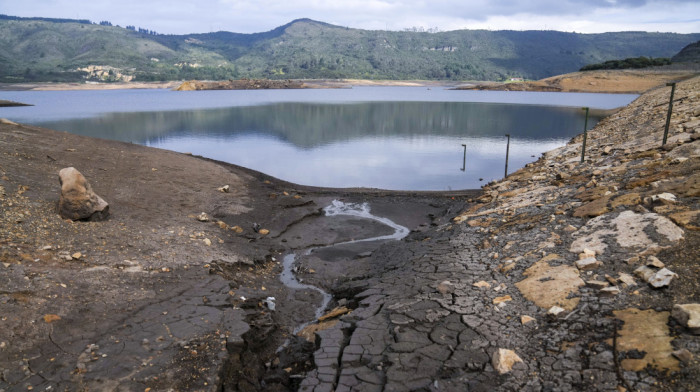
column 653, row 261
column 503, row 360
column 445, row 287
column 587, row 264
column 555, row 310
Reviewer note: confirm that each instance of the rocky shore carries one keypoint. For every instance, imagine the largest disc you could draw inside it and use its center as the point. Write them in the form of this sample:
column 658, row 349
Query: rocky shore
column 565, row 276
column 630, row 81
column 241, row 84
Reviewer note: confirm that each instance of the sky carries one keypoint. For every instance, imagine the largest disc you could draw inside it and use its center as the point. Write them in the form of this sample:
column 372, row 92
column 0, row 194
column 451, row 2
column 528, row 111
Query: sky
column 250, row 16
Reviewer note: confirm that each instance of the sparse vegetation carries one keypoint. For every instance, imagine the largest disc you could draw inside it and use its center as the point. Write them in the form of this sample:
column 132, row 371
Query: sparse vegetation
column 635, row 62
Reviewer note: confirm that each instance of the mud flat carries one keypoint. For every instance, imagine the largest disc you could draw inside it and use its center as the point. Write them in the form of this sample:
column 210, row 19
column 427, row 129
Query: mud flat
column 154, row 297
column 542, row 281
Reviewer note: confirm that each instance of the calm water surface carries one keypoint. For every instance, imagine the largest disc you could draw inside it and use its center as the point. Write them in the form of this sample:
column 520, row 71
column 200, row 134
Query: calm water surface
column 407, row 138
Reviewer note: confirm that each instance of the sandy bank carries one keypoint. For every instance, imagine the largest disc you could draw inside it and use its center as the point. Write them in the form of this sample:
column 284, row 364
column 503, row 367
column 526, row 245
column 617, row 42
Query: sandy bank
column 603, row 81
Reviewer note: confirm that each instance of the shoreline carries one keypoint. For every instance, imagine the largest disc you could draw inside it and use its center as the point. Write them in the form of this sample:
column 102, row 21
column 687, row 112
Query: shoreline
column 633, row 81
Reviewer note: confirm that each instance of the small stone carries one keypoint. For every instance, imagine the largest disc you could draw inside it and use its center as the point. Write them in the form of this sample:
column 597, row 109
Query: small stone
column 482, row 284
column 50, row 318
column 503, row 360
column 500, row 300
column 609, row 291
column 683, row 355
column 224, row 189
column 586, row 253
column 653, row 261
column 207, row 242
column 662, row 278
column 526, row 319
column 555, row 310
column 688, row 315
column 664, row 198
column 611, row 280
column 627, row 279
column 76, row 255
column 644, row 273
column 237, row 229
column 263, row 231
column 506, row 266
column 597, row 284
column 222, row 225
column 570, row 229
column 445, row 287
column 678, row 160
column 203, row 217
column 587, row 264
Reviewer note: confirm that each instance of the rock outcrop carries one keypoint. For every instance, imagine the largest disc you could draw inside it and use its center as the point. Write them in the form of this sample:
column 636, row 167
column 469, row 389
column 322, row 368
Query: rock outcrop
column 78, row 200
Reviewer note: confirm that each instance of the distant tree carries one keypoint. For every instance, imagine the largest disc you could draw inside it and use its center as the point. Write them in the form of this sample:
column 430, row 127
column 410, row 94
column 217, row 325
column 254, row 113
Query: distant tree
column 105, row 23
column 632, row 62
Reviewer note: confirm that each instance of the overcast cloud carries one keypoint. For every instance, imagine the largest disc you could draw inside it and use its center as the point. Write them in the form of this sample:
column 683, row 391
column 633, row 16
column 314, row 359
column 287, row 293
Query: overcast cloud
column 249, row 16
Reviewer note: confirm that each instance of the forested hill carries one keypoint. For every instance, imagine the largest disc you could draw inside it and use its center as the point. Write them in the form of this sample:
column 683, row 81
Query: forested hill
column 42, row 49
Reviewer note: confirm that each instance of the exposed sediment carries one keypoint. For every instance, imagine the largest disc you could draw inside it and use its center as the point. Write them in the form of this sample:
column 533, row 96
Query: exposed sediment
column 241, row 84
column 441, row 305
column 156, row 298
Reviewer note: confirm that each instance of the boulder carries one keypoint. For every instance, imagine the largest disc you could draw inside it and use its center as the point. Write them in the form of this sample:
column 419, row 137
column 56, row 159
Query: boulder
column 78, row 201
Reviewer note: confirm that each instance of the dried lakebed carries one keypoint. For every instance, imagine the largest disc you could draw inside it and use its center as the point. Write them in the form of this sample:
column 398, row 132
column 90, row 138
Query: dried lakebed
column 337, row 209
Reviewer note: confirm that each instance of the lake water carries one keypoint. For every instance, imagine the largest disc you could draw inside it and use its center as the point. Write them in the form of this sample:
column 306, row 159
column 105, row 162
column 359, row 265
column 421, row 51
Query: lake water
column 402, row 138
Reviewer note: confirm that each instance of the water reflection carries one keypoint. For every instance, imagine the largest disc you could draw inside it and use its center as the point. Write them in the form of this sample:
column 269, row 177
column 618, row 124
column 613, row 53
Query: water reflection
column 391, row 145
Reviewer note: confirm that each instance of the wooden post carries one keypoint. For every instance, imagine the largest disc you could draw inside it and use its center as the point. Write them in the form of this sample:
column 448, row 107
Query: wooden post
column 670, row 110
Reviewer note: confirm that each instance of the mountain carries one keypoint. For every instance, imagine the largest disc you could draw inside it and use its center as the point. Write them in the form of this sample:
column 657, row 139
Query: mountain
column 42, row 49
column 690, row 53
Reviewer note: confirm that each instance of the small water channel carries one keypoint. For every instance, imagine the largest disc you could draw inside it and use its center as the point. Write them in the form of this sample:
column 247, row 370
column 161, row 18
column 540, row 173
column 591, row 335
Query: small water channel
column 336, row 208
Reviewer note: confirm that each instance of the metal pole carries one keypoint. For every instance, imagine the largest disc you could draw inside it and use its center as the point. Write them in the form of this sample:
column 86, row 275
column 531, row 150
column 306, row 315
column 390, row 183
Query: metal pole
column 507, row 152
column 670, row 110
column 585, row 135
column 464, row 159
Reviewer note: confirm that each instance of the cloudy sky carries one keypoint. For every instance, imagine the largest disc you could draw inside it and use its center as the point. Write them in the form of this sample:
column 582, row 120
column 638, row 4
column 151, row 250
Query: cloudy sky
column 249, row 16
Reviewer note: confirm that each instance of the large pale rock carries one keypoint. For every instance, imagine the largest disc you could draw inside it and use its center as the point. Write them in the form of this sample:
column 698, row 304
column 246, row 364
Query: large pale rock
column 688, row 315
column 645, row 331
column 503, row 360
column 78, row 201
column 629, row 230
column 549, row 286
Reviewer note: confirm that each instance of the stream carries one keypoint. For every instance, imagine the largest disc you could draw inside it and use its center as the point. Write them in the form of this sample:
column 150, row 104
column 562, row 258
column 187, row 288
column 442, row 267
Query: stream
column 336, row 208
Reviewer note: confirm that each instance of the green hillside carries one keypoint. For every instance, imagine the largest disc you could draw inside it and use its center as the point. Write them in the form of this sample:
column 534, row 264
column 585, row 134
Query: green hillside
column 689, row 54
column 40, row 49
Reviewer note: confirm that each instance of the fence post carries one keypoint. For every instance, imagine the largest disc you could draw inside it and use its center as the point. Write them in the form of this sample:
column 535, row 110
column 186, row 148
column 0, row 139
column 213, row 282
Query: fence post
column 670, row 110
column 464, row 159
column 585, row 135
column 507, row 152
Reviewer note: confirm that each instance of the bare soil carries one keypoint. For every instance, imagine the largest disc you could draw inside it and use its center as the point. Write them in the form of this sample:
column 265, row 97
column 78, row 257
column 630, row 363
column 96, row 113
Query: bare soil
column 604, row 81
